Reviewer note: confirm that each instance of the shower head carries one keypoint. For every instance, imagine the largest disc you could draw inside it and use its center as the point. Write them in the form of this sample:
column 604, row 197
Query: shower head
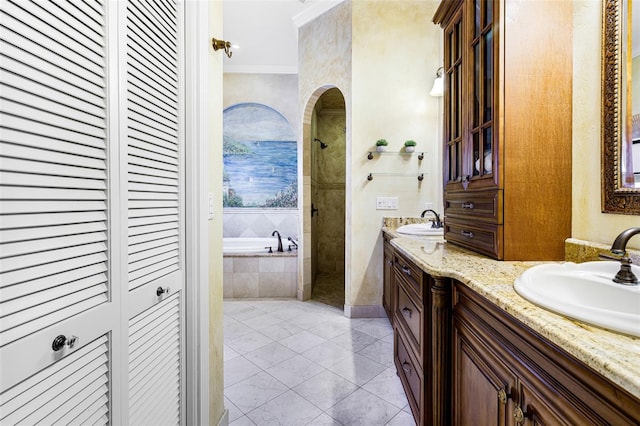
column 322, row 144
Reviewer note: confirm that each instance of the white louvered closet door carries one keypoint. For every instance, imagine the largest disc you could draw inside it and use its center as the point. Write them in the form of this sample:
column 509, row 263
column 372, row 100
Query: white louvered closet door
column 91, row 212
column 55, row 229
column 155, row 216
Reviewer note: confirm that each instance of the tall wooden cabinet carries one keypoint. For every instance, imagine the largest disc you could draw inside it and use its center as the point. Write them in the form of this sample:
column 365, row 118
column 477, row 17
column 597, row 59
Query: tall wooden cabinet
column 507, row 126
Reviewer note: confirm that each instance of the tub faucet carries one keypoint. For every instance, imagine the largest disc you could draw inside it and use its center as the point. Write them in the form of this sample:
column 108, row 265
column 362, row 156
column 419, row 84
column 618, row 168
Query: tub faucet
column 437, row 223
column 293, row 242
column 619, row 248
column 273, row 234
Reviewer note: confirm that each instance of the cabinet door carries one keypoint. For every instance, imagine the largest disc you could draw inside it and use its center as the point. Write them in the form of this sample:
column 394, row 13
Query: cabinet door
column 482, row 384
column 453, row 113
column 535, row 410
column 480, row 45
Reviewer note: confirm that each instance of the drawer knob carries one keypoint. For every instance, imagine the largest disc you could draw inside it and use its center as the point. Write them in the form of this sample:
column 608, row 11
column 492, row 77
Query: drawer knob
column 406, row 270
column 407, row 312
column 467, row 234
column 406, row 367
column 468, row 205
column 519, row 415
column 503, row 396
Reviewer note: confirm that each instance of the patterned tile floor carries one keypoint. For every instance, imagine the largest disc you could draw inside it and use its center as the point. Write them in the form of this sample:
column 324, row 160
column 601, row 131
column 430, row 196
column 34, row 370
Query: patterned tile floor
column 303, row 363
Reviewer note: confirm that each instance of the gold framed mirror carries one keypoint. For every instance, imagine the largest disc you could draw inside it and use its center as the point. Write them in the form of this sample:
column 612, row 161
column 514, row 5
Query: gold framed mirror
column 620, row 187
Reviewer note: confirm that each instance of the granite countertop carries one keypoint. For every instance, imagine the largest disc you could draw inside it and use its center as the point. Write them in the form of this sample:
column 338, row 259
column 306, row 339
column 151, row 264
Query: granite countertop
column 615, row 356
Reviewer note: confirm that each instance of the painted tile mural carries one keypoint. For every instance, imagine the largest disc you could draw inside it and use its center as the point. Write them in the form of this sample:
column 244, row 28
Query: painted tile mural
column 260, row 158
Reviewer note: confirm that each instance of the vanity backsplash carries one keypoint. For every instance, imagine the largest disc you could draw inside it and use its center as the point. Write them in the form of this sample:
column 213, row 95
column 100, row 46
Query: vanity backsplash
column 579, row 251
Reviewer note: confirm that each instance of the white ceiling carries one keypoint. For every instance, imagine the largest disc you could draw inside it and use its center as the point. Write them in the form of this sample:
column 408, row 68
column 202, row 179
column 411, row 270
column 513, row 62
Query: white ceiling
column 266, row 32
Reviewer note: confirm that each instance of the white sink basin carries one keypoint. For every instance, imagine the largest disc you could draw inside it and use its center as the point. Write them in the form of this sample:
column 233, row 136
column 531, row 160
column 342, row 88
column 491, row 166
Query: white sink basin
column 420, row 229
column 586, row 292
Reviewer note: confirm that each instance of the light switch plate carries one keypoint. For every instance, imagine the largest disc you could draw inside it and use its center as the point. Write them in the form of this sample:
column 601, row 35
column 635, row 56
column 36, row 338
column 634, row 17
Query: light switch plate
column 386, row 203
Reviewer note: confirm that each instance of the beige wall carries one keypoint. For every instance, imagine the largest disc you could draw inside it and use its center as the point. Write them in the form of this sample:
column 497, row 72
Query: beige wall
column 588, row 223
column 385, row 74
column 216, row 375
column 394, row 64
column 324, row 58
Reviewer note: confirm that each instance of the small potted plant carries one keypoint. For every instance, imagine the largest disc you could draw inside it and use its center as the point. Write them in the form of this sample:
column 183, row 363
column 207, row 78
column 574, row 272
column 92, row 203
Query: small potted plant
column 381, row 145
column 410, row 146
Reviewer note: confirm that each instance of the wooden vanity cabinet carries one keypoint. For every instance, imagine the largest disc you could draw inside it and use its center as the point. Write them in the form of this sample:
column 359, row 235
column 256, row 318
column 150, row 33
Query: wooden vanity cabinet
column 421, row 318
column 387, row 276
column 503, row 373
column 507, row 126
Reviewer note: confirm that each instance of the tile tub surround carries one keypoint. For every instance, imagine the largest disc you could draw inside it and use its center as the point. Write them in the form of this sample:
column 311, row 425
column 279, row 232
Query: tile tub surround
column 615, row 356
column 260, row 275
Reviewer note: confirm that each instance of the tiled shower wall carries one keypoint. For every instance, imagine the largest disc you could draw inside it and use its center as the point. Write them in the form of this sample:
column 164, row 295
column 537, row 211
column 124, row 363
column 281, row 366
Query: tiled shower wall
column 250, row 222
column 330, row 192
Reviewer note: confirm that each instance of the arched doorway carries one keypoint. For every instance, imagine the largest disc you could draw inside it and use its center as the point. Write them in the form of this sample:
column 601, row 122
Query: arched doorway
column 324, row 172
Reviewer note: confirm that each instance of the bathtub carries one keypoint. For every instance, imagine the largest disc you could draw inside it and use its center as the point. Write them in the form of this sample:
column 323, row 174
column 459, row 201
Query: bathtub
column 251, row 271
column 250, row 245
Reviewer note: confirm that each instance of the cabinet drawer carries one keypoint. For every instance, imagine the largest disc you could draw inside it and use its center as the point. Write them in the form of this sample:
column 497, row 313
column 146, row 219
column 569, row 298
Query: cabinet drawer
column 409, row 316
column 482, row 238
column 485, row 205
column 407, row 272
column 410, row 375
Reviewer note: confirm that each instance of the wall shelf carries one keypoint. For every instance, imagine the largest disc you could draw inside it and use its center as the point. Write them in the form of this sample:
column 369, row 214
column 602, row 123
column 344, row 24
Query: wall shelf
column 420, row 176
column 371, row 154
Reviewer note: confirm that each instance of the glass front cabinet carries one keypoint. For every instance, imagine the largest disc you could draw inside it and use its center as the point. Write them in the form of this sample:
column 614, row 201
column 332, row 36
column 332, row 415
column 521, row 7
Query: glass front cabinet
column 500, row 59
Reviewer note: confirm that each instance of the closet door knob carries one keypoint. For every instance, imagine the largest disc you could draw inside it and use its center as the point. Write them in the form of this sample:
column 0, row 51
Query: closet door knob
column 61, row 341
column 160, row 291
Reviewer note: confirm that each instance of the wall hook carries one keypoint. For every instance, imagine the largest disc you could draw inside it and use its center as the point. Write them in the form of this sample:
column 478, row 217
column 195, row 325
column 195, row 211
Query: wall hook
column 222, row 44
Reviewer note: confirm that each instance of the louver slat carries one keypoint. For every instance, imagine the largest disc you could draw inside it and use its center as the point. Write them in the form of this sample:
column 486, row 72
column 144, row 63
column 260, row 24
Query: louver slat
column 54, row 212
column 154, row 212
column 43, row 396
column 67, row 36
column 154, row 342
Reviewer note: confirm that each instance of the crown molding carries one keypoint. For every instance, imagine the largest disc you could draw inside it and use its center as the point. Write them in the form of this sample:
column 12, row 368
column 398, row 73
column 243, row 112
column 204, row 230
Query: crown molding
column 260, row 69
column 313, row 11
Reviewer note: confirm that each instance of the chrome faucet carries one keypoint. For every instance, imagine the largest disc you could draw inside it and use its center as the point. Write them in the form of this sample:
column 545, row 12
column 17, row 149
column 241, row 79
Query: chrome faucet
column 619, row 248
column 273, row 234
column 437, row 223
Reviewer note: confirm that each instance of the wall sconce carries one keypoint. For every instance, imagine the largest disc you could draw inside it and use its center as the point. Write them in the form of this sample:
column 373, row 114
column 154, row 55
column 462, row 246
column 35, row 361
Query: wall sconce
column 438, row 84
column 221, row 44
